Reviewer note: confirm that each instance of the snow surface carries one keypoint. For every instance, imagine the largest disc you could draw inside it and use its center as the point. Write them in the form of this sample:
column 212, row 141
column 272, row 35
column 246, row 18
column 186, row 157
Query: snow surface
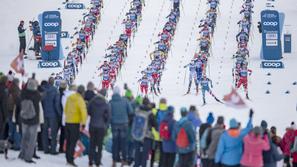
column 277, row 108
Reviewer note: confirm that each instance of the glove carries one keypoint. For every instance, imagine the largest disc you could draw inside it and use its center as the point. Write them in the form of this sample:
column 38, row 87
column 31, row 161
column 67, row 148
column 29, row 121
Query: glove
column 251, row 113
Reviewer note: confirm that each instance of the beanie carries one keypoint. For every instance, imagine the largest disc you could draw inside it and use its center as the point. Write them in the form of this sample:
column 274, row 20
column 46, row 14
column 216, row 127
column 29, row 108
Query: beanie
column 264, row 124
column 210, row 118
column 117, row 90
column 220, row 120
column 233, row 123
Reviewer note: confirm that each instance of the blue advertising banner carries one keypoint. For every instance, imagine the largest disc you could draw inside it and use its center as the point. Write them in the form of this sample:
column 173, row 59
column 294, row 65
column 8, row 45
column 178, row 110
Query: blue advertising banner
column 287, row 43
column 49, row 64
column 272, row 64
column 75, row 6
column 51, row 35
column 271, row 35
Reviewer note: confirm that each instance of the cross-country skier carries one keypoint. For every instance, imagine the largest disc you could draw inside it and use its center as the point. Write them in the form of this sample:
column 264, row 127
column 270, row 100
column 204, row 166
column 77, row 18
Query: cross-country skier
column 242, row 36
column 144, row 82
column 205, row 88
column 193, row 76
column 105, row 80
column 243, row 78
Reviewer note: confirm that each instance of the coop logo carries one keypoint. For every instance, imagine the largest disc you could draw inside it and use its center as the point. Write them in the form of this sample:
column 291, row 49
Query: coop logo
column 49, row 64
column 270, row 24
column 272, row 64
column 53, row 24
column 74, row 6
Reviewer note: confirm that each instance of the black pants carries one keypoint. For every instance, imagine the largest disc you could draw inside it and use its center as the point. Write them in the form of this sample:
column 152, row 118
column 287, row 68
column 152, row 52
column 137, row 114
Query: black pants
column 62, row 138
column 22, row 44
column 72, row 135
column 168, row 159
column 287, row 161
column 96, row 142
column 157, row 145
column 186, row 160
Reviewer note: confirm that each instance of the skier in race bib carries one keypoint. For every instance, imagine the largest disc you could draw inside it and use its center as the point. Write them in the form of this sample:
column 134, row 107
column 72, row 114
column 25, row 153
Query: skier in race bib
column 205, row 82
column 244, row 72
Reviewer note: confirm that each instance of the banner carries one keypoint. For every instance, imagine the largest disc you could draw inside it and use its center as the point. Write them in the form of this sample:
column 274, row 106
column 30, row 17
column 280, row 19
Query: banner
column 51, row 35
column 75, row 6
column 49, row 64
column 287, row 43
column 64, row 34
column 17, row 64
column 272, row 64
column 271, row 35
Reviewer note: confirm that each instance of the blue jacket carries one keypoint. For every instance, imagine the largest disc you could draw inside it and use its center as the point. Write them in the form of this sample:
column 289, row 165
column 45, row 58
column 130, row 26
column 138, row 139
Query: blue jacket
column 189, row 128
column 194, row 119
column 51, row 102
column 229, row 150
column 169, row 146
column 120, row 109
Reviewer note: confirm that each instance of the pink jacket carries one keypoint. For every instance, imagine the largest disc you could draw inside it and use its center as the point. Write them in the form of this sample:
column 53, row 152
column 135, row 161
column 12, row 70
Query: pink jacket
column 253, row 149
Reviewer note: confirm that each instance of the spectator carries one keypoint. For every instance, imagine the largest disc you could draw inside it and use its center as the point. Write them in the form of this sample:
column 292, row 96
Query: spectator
column 254, row 146
column 169, row 147
column 229, row 151
column 3, row 106
column 62, row 90
column 203, row 133
column 274, row 137
column 30, row 99
column 294, row 150
column 52, row 113
column 193, row 116
column 286, row 144
column 90, row 93
column 99, row 112
column 120, row 111
column 14, row 101
column 143, row 147
column 75, row 117
column 213, row 138
column 185, row 138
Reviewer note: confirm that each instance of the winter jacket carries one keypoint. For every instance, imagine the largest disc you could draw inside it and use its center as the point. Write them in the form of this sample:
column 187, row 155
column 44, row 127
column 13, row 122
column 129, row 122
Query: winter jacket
column 120, row 109
column 3, row 107
column 99, row 111
column 253, row 149
column 287, row 142
column 272, row 156
column 192, row 116
column 36, row 98
column 21, row 31
column 161, row 113
column 229, row 150
column 169, row 146
column 294, row 148
column 215, row 134
column 51, row 102
column 75, row 109
column 14, row 102
column 189, row 128
column 89, row 95
column 151, row 120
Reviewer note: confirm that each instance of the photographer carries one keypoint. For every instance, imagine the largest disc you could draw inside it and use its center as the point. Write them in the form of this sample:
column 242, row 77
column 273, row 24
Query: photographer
column 22, row 37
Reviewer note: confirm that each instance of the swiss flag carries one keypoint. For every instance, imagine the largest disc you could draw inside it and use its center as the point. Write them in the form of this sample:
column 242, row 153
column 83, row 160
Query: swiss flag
column 18, row 64
column 233, row 99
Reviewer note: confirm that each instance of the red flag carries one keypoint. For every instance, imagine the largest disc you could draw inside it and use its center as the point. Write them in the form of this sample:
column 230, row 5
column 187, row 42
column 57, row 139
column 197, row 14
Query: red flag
column 18, row 64
column 233, row 99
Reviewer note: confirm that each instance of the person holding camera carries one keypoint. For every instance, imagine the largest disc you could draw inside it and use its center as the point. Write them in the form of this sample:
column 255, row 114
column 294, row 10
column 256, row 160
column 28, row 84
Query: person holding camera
column 22, row 37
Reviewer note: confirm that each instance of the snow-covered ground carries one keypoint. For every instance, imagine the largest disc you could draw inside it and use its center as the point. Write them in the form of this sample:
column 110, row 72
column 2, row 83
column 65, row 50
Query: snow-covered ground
column 278, row 108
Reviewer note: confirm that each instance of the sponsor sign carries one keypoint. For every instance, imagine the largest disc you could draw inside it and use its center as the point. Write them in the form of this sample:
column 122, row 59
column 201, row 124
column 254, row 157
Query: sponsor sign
column 272, row 64
column 49, row 64
column 271, row 42
column 287, row 43
column 75, row 6
column 64, row 34
column 51, row 33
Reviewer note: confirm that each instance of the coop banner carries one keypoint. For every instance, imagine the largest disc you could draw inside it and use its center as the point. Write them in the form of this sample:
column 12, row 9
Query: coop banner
column 51, row 35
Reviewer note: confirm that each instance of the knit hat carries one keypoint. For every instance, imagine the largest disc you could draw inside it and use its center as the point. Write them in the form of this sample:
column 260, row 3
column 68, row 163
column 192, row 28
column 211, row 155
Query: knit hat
column 63, row 84
column 32, row 84
column 264, row 124
column 146, row 101
column 116, row 90
column 210, row 118
column 233, row 123
column 220, row 120
column 138, row 99
column 170, row 109
column 81, row 89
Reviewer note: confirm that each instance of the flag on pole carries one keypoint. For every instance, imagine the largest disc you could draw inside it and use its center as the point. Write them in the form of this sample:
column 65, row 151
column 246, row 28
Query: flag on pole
column 233, row 99
column 18, row 64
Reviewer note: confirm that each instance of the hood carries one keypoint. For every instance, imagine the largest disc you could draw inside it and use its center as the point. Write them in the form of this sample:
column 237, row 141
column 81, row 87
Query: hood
column 99, row 100
column 182, row 121
column 168, row 116
column 116, row 97
column 233, row 132
column 163, row 106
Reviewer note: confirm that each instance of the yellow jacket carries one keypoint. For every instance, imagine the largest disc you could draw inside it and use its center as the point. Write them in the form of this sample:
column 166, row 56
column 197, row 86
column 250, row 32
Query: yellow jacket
column 75, row 109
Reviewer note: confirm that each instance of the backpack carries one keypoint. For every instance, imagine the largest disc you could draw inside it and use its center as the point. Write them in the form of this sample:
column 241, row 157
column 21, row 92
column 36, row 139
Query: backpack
column 140, row 125
column 28, row 109
column 182, row 140
column 164, row 130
